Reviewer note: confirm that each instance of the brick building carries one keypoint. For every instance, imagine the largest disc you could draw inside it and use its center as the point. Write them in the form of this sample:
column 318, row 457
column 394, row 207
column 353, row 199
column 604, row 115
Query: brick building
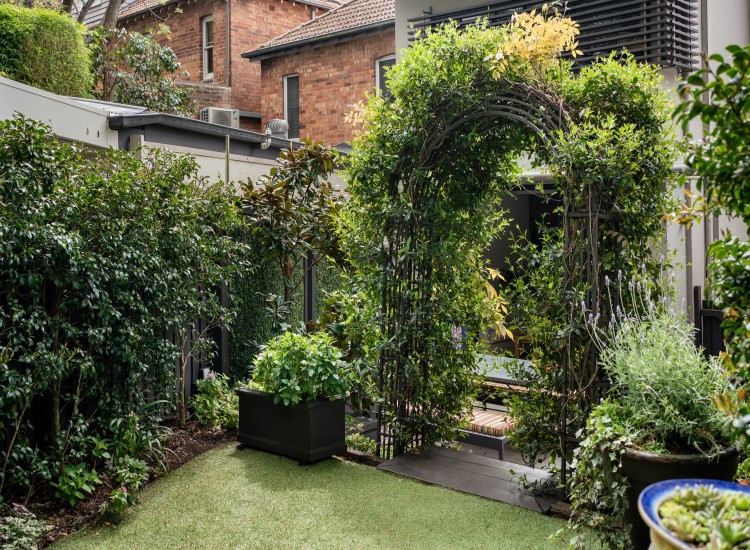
column 208, row 37
column 313, row 74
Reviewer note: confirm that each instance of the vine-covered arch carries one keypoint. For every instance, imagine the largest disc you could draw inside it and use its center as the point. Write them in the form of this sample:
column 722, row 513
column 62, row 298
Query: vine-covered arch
column 426, row 177
column 497, row 102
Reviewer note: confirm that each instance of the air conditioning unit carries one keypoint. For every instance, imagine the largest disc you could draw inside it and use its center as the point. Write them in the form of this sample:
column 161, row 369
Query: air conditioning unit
column 225, row 117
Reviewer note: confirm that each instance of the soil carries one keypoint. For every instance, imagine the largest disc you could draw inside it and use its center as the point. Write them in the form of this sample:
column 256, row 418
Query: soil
column 184, row 445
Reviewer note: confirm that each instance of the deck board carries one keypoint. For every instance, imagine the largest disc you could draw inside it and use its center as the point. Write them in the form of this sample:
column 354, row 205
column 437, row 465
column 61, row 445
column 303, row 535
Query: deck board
column 468, row 473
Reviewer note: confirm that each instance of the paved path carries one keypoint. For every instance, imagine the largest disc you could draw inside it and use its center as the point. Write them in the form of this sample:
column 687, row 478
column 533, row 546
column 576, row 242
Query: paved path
column 469, row 473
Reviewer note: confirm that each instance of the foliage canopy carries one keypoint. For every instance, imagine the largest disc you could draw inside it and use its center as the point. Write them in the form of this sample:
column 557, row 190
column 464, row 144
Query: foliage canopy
column 721, row 159
column 44, row 48
column 427, row 175
column 134, row 68
column 100, row 256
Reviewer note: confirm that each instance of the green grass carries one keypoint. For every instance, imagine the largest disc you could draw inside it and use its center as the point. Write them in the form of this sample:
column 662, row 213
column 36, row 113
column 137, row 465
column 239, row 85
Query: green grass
column 228, row 498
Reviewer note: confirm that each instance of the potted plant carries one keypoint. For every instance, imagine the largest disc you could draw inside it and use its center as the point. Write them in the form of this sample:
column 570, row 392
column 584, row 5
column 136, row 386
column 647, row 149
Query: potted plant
column 295, row 405
column 684, row 514
column 658, row 422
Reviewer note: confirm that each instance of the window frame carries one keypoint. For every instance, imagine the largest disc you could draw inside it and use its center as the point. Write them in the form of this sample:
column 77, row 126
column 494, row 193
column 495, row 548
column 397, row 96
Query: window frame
column 378, row 83
column 205, row 47
column 286, row 105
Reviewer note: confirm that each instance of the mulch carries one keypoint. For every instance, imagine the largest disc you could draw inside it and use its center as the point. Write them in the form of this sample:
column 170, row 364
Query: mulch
column 184, row 445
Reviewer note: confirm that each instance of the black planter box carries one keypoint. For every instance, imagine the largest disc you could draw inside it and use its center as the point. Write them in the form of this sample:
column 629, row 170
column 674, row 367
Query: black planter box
column 308, row 431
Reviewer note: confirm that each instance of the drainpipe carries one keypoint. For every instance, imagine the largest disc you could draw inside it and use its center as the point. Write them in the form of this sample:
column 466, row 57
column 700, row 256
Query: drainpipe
column 227, row 148
column 228, row 33
column 711, row 230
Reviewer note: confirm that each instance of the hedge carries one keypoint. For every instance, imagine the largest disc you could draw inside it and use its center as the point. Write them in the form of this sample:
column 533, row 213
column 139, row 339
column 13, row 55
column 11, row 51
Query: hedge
column 34, row 40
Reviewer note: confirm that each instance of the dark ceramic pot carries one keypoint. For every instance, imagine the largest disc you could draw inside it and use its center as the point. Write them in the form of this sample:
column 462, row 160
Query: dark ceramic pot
column 308, row 431
column 642, row 469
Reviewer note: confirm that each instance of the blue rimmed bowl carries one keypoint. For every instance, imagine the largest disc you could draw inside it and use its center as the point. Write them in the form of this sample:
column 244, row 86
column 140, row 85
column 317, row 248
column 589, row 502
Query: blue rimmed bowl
column 652, row 497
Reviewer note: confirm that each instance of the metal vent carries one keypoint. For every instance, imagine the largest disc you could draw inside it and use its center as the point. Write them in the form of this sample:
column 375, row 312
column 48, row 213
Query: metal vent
column 662, row 32
column 278, row 128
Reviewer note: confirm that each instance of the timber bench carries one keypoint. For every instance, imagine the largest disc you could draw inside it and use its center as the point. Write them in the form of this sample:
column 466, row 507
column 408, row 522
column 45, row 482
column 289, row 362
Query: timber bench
column 488, row 429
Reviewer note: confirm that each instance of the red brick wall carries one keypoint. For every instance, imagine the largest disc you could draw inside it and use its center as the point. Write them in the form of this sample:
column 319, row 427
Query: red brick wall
column 186, row 38
column 332, row 78
column 253, row 22
column 209, row 95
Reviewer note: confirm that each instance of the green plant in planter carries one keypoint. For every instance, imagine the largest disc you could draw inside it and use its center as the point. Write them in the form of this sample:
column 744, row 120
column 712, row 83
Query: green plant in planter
column 661, row 402
column 302, row 367
column 706, row 517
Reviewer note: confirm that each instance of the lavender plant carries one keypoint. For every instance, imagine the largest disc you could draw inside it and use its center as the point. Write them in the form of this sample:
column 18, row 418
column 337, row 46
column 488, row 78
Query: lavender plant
column 661, row 401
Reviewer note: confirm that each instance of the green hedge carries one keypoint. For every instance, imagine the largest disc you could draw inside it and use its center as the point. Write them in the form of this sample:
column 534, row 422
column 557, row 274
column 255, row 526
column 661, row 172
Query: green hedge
column 44, row 48
column 253, row 326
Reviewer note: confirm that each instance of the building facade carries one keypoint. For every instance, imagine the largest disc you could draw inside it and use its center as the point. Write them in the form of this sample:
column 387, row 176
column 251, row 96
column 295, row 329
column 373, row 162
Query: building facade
column 208, row 37
column 313, row 75
column 672, row 35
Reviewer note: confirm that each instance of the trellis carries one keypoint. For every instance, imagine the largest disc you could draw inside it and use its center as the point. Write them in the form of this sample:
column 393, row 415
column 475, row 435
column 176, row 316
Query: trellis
column 498, row 103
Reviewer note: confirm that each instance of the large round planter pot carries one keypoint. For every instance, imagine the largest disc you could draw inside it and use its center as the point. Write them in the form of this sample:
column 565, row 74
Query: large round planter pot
column 652, row 497
column 643, row 469
column 308, row 431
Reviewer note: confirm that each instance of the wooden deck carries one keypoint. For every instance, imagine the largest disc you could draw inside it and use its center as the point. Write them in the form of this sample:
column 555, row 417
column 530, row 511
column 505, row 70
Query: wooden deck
column 469, row 473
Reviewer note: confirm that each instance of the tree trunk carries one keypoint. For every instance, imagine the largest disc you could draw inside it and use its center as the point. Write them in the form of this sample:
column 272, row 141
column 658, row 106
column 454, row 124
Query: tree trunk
column 181, row 398
column 56, row 390
column 85, row 10
column 287, row 276
column 67, row 6
column 110, row 16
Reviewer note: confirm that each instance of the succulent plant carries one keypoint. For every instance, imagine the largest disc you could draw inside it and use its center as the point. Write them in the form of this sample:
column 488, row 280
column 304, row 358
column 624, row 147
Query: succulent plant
column 708, row 518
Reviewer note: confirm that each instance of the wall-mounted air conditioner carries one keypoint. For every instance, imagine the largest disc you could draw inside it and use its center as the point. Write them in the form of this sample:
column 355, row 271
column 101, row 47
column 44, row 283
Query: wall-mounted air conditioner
column 225, row 117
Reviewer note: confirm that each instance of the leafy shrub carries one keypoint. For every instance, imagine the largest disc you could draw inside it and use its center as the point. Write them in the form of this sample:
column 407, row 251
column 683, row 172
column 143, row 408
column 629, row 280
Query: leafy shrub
column 356, row 440
column 252, row 327
column 665, row 386
column 20, row 529
column 721, row 162
column 216, row 404
column 133, row 68
column 101, row 257
column 139, row 437
column 44, row 48
column 76, row 483
column 661, row 402
column 291, row 212
column 130, row 472
column 297, row 367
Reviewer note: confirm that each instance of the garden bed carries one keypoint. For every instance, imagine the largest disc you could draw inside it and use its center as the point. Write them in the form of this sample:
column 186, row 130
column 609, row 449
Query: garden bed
column 184, row 445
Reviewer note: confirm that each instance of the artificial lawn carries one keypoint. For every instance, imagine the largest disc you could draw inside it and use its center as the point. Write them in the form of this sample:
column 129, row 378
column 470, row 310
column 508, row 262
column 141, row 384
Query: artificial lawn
column 227, row 498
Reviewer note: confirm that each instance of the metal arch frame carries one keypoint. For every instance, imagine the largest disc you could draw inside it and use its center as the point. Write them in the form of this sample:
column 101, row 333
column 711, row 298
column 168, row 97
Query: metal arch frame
column 546, row 116
column 503, row 99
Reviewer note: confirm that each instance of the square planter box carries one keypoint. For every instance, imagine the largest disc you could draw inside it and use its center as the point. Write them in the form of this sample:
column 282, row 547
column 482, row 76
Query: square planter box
column 308, row 431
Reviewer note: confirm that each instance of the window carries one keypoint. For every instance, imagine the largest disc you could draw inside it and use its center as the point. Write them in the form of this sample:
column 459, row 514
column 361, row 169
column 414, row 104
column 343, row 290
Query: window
column 208, row 48
column 291, row 104
column 381, row 66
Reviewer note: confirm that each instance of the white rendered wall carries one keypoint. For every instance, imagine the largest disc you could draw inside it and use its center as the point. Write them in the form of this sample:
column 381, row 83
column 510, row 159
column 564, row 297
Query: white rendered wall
column 69, row 119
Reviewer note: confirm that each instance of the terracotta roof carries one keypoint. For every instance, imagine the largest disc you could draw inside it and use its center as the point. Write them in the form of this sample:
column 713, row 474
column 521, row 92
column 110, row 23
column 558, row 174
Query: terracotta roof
column 144, row 5
column 351, row 18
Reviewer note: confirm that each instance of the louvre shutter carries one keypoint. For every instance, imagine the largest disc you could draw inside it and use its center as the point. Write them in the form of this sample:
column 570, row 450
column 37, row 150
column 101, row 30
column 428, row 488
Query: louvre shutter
column 292, row 105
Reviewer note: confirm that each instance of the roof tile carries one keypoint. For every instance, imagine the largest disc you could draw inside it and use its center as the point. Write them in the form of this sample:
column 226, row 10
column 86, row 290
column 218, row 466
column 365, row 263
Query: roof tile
column 350, row 16
column 144, row 5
